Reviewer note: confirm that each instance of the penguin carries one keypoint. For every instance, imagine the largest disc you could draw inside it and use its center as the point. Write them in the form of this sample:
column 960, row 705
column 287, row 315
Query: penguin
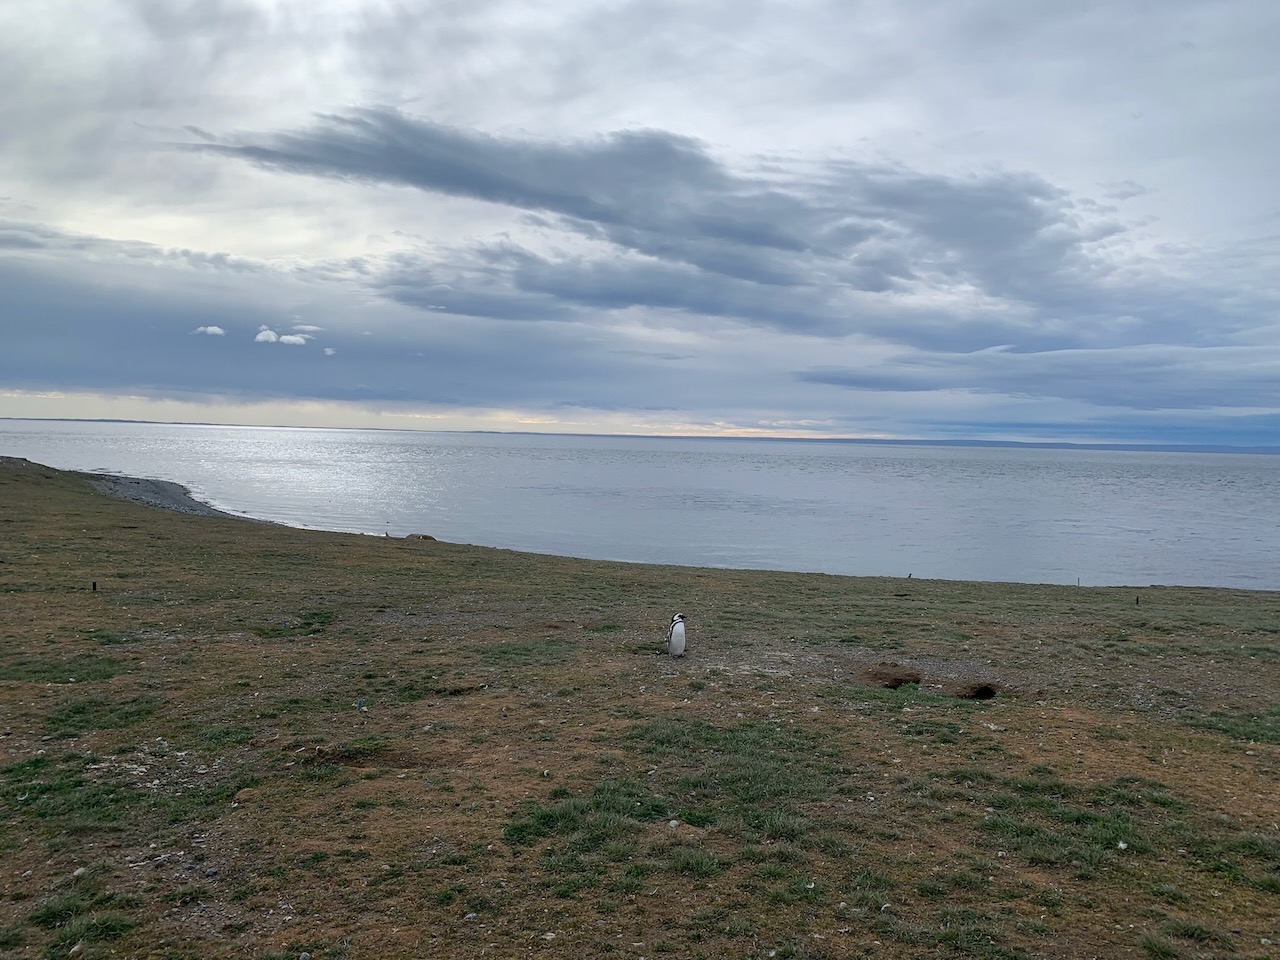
column 675, row 636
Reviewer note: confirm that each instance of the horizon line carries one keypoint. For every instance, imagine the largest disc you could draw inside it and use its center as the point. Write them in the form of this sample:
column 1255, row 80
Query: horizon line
column 1137, row 446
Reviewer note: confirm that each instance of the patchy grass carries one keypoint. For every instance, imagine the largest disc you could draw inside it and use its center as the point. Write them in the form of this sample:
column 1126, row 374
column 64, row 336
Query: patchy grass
column 305, row 624
column 98, row 712
column 252, row 741
column 84, row 668
column 1260, row 727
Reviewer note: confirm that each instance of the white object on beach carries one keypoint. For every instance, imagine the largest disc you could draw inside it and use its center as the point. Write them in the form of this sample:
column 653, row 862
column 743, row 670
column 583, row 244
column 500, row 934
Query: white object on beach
column 675, row 636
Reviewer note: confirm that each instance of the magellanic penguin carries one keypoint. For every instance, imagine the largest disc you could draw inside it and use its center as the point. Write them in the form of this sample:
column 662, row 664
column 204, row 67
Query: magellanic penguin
column 675, row 636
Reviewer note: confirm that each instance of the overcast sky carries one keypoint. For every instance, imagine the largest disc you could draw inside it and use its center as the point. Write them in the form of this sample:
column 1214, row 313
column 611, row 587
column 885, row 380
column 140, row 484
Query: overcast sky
column 876, row 218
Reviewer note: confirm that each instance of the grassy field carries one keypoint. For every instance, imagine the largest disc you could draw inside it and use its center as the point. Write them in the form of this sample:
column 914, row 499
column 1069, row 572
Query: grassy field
column 220, row 738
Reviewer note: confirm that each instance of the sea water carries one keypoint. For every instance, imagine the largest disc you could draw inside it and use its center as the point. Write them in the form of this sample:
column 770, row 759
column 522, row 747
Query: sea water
column 1039, row 515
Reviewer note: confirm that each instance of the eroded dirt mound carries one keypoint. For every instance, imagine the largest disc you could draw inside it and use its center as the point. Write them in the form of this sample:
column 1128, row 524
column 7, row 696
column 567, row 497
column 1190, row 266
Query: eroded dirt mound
column 891, row 675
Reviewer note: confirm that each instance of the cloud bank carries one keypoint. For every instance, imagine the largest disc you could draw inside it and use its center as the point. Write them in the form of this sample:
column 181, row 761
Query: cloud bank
column 778, row 254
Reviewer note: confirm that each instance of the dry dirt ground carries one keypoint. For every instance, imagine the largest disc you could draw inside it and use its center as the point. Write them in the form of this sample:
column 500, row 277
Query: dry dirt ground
column 220, row 738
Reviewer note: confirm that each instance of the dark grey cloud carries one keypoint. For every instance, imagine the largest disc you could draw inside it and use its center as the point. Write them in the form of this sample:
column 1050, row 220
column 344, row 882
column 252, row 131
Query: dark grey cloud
column 1142, row 378
column 18, row 236
column 711, row 239
column 935, row 262
column 128, row 326
column 644, row 180
column 1179, row 428
column 1012, row 235
column 513, row 283
column 21, row 240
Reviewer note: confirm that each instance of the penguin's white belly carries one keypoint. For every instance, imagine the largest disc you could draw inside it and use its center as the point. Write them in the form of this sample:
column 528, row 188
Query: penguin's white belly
column 675, row 643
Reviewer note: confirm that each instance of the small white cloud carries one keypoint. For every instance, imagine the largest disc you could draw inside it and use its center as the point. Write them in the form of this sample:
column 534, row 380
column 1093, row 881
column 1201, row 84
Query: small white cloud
column 294, row 339
column 266, row 335
column 329, row 351
column 307, row 328
column 211, row 331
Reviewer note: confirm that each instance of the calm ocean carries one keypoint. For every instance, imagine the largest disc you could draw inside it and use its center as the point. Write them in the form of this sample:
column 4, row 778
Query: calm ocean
column 1102, row 517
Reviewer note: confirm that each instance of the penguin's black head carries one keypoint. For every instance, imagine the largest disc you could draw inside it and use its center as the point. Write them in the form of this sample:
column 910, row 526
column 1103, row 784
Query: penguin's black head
column 678, row 618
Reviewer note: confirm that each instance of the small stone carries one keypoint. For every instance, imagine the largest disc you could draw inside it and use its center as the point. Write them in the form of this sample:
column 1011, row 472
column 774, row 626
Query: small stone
column 304, row 956
column 76, row 950
column 79, row 872
column 673, row 824
column 211, row 872
column 470, row 916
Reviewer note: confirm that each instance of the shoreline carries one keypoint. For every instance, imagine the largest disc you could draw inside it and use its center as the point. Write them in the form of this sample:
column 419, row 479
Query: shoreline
column 165, row 494
column 162, row 494
column 148, row 491
column 177, row 498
